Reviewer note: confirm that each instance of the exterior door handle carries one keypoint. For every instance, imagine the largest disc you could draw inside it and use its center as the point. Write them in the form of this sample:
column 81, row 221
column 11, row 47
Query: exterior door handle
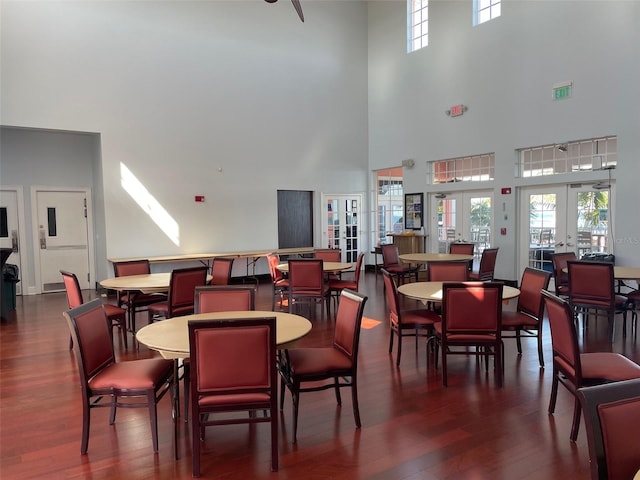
column 43, row 240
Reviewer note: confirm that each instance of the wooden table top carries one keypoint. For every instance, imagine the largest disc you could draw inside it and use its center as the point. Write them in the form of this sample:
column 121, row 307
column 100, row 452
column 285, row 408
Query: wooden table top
column 170, row 337
column 326, row 266
column 432, row 291
column 621, row 273
column 146, row 283
column 434, row 257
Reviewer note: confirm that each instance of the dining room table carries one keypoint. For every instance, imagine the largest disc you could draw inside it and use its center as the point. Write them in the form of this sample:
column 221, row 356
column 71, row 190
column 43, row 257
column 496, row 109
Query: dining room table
column 327, row 267
column 144, row 283
column 434, row 257
column 427, row 292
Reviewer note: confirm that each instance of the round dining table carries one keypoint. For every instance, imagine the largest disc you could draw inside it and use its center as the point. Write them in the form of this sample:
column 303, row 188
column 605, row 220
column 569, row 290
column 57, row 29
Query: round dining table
column 145, row 283
column 434, row 257
column 432, row 291
column 170, row 337
column 327, row 267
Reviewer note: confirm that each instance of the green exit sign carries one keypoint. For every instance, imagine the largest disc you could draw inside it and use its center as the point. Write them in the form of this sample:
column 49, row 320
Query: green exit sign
column 562, row 90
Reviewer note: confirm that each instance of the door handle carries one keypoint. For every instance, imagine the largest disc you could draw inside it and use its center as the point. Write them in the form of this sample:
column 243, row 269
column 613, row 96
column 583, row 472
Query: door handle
column 560, row 244
column 43, row 240
column 571, row 244
column 14, row 240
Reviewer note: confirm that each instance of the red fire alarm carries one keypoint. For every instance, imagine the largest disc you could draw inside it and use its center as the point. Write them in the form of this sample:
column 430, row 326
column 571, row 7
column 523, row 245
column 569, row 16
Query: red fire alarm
column 506, row 191
column 199, row 198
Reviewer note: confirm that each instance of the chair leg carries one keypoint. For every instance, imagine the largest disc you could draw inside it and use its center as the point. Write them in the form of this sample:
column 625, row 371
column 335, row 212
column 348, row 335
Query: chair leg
column 399, row 354
column 577, row 410
column 153, row 418
column 554, row 392
column 540, row 352
column 187, row 386
column 295, row 395
column 518, row 341
column 444, row 366
column 274, row 439
column 336, row 385
column 86, row 424
column 354, row 401
column 195, row 443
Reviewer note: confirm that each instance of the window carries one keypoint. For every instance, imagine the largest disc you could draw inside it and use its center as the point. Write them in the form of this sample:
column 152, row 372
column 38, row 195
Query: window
column 485, row 10
column 475, row 168
column 570, row 157
column 418, row 24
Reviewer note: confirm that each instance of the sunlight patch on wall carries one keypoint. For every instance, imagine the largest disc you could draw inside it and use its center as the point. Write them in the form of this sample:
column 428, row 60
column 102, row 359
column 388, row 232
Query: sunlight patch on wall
column 149, row 204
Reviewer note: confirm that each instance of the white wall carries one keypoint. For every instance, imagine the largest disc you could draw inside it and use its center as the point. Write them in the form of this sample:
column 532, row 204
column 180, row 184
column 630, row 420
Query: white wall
column 504, row 71
column 178, row 90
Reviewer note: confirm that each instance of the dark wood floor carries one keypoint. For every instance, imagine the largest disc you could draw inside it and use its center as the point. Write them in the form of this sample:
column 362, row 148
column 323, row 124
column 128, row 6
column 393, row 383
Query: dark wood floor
column 412, row 427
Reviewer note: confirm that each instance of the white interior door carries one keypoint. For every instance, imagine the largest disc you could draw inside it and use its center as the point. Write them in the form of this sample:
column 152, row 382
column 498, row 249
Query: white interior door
column 341, row 216
column 563, row 218
column 461, row 217
column 11, row 231
column 62, row 238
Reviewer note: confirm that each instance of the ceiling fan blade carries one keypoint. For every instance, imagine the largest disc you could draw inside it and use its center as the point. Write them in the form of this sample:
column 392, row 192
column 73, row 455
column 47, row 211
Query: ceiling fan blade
column 298, row 7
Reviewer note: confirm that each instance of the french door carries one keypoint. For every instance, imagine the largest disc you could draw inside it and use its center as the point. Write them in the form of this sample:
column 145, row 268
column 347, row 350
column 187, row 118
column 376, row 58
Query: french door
column 341, row 216
column 563, row 218
column 461, row 217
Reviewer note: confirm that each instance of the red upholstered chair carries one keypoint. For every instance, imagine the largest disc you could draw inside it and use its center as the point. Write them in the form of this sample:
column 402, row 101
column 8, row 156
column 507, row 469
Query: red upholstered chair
column 224, row 298
column 130, row 384
column 217, row 298
column 528, row 317
column 221, row 271
column 592, row 289
column 328, row 254
column 336, row 285
column 135, row 302
column 404, row 323
column 307, row 284
column 233, row 369
column 471, row 317
column 633, row 299
column 612, row 417
column 447, row 272
column 117, row 316
column 560, row 277
column 574, row 369
column 323, row 368
column 279, row 281
column 461, row 248
column 182, row 287
column 391, row 263
column 487, row 266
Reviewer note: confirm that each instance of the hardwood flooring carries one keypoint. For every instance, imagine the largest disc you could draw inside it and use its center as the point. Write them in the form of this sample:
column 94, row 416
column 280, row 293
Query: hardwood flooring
column 412, row 427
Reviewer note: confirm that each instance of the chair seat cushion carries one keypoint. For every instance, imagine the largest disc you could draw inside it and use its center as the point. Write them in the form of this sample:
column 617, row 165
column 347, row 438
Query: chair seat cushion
column 419, row 318
column 316, row 361
column 399, row 269
column 113, row 311
column 342, row 284
column 132, row 375
column 143, row 299
column 233, row 399
column 608, row 366
column 511, row 320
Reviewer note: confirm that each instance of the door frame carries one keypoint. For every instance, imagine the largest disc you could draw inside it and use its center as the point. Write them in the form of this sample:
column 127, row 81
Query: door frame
column 21, row 289
column 35, row 231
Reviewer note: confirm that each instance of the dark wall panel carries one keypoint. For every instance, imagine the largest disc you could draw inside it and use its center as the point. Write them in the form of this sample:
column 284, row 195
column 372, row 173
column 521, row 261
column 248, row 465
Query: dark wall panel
column 295, row 219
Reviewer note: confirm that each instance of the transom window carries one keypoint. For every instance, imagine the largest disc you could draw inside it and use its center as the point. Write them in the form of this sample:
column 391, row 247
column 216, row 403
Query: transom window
column 475, row 168
column 418, row 24
column 485, row 10
column 579, row 156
